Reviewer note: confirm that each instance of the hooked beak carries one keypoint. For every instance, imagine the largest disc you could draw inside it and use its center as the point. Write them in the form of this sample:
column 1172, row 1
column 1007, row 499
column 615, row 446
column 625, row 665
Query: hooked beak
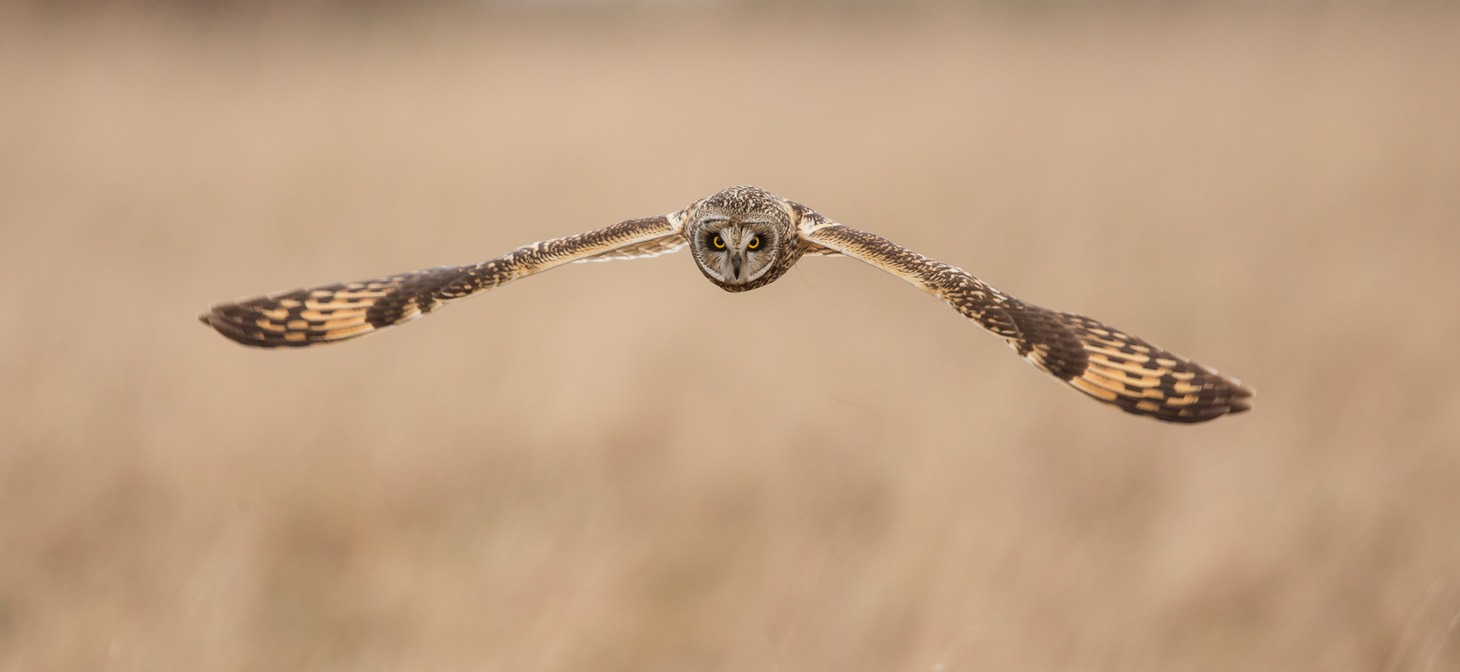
column 735, row 264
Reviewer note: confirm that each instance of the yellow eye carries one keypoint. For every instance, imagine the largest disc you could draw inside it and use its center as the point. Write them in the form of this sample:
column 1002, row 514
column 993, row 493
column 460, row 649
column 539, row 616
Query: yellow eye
column 754, row 243
column 718, row 242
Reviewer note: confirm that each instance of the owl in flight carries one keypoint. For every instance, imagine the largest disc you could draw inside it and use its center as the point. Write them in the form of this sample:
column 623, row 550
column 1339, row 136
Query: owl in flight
column 743, row 238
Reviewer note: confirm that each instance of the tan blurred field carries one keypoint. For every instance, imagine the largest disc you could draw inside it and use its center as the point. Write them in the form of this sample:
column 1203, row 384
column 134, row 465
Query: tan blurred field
column 620, row 467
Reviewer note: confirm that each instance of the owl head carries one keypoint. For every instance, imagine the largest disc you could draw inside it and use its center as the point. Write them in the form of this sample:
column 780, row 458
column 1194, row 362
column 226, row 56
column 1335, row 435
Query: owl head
column 742, row 237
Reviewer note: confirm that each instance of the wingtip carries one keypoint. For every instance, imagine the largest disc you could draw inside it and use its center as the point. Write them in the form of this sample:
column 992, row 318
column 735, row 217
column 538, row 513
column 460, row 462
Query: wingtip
column 1242, row 397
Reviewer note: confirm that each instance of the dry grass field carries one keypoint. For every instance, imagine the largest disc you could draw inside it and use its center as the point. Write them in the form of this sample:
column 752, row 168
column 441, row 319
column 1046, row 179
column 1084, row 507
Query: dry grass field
column 620, row 467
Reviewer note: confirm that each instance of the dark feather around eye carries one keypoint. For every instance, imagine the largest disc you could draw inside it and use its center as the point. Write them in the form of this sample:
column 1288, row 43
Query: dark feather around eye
column 715, row 241
column 754, row 243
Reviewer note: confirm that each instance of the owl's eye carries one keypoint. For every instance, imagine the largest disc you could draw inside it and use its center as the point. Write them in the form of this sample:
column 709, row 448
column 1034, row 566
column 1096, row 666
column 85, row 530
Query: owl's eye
column 717, row 242
column 754, row 243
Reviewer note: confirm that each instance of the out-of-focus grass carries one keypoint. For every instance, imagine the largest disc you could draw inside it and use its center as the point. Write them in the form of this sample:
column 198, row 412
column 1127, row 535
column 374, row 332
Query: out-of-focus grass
column 620, row 467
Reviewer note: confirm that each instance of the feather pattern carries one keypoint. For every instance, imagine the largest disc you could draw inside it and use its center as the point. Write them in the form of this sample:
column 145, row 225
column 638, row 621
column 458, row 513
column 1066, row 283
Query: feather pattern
column 1100, row 361
column 644, row 250
column 330, row 313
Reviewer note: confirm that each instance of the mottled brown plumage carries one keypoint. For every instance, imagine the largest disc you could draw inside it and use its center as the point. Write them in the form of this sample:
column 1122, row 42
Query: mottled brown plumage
column 743, row 238
column 314, row 315
column 1100, row 361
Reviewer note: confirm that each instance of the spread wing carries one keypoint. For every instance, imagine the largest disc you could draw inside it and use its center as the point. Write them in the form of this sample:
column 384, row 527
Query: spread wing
column 1103, row 362
column 329, row 313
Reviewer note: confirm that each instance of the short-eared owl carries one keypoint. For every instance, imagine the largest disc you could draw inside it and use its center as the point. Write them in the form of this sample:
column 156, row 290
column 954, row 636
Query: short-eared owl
column 742, row 238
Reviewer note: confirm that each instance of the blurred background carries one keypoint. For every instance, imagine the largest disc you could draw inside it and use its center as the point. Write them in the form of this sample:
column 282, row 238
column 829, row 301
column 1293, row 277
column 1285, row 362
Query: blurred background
column 621, row 467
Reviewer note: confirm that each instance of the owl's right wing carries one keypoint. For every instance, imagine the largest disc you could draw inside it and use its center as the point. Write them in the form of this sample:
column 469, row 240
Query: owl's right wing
column 1104, row 363
column 329, row 313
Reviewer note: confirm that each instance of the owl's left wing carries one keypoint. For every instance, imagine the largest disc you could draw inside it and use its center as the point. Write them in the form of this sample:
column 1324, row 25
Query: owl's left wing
column 1102, row 362
column 329, row 313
